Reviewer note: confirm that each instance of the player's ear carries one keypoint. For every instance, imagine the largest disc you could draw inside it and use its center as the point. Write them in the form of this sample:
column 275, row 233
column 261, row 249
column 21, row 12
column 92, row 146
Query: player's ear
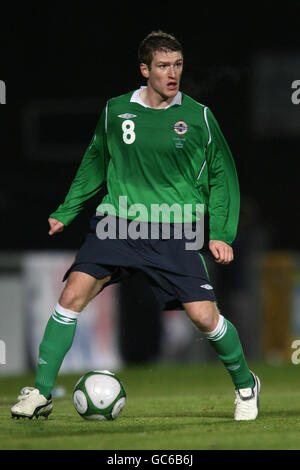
column 144, row 70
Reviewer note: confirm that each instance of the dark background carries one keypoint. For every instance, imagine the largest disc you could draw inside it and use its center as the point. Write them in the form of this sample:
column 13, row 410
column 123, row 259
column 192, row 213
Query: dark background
column 63, row 51
column 77, row 56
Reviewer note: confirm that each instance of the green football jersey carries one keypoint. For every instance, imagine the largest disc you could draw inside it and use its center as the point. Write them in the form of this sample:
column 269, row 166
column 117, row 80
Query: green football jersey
column 152, row 159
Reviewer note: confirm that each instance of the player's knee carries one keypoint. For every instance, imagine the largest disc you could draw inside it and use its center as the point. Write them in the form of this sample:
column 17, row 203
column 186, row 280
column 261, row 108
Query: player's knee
column 71, row 299
column 204, row 315
column 80, row 290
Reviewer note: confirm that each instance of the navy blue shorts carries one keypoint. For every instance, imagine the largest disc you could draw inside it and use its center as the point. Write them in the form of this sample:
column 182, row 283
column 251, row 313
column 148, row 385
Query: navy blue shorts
column 176, row 275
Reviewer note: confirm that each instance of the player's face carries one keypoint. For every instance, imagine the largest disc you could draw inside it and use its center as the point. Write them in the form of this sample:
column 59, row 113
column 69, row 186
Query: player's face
column 165, row 73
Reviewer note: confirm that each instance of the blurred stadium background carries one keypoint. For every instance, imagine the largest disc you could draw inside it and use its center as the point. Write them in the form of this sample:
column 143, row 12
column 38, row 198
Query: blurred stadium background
column 60, row 63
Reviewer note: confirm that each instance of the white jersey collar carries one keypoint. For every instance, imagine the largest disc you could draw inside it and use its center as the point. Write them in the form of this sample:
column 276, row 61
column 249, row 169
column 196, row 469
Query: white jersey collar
column 135, row 98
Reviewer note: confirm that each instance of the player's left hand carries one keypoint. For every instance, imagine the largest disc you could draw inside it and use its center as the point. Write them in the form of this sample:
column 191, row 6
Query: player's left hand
column 222, row 252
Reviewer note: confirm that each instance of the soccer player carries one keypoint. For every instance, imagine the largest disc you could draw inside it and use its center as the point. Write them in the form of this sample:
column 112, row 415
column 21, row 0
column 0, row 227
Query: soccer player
column 152, row 147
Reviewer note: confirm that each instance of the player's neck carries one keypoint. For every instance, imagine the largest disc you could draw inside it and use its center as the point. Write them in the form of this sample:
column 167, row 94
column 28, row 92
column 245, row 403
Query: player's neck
column 153, row 99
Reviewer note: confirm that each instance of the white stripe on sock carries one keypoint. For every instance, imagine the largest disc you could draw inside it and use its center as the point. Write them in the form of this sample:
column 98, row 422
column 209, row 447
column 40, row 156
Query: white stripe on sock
column 65, row 312
column 219, row 331
column 64, row 316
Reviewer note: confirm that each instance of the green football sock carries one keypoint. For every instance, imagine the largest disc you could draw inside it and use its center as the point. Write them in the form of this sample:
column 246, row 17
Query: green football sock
column 226, row 342
column 56, row 342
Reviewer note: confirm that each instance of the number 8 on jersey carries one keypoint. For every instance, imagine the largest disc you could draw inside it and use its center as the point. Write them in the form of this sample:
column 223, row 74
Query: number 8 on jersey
column 128, row 131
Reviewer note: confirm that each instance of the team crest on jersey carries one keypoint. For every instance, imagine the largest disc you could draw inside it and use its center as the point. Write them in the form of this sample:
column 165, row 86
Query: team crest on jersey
column 180, row 127
column 126, row 116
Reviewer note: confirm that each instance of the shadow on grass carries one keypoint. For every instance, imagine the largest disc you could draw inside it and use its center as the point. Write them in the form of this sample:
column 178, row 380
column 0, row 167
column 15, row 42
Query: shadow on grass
column 54, row 427
column 281, row 413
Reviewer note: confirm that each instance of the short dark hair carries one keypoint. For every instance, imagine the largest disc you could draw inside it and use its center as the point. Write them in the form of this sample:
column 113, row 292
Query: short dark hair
column 157, row 41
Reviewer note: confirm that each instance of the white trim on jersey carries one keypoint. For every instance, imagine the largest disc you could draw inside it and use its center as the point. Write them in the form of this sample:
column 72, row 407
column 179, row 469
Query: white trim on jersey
column 209, row 141
column 135, row 98
column 201, row 169
column 209, row 134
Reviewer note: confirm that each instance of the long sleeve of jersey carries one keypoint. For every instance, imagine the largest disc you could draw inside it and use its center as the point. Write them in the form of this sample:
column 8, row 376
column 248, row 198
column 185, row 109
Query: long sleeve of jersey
column 224, row 194
column 90, row 176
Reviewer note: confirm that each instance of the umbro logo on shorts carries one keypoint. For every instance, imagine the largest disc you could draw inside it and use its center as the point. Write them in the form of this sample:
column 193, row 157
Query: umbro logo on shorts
column 206, row 286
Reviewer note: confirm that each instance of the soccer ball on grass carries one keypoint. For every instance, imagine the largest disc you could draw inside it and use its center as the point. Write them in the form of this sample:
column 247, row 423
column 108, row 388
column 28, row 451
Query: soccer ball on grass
column 99, row 395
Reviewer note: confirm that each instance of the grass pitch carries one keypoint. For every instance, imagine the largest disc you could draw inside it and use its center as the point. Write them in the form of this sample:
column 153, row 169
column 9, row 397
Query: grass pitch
column 178, row 407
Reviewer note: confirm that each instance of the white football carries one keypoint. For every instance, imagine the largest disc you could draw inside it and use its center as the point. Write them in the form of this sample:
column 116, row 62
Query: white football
column 99, row 395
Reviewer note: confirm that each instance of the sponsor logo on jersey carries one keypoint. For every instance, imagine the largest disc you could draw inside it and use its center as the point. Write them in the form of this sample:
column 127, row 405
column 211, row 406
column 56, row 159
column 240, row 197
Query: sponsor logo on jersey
column 180, row 127
column 126, row 116
column 206, row 286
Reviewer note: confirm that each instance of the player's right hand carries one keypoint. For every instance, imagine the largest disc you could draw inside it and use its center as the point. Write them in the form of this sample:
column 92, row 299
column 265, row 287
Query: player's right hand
column 55, row 226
